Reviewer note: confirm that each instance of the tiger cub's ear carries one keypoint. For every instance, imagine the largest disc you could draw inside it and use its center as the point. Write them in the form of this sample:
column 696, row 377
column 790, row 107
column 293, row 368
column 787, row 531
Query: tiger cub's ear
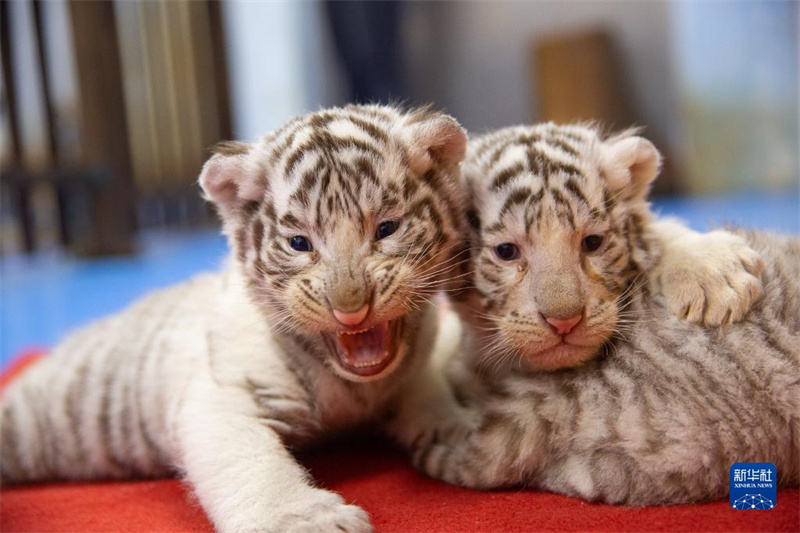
column 433, row 137
column 630, row 164
column 232, row 177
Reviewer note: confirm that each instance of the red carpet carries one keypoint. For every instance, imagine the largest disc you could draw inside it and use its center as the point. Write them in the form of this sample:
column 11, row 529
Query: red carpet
column 376, row 477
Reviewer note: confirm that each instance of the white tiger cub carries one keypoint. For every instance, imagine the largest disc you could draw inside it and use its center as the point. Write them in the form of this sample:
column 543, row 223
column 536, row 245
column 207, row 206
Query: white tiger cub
column 342, row 223
column 575, row 377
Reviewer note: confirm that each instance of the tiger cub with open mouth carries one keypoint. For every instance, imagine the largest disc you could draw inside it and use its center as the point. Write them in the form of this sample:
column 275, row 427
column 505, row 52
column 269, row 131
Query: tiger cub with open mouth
column 576, row 377
column 342, row 224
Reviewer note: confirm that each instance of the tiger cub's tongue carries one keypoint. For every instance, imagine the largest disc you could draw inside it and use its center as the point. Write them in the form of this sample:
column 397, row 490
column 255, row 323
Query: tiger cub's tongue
column 366, row 348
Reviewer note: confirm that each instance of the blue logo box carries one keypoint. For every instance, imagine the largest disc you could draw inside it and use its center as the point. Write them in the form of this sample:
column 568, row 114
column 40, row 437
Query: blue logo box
column 754, row 486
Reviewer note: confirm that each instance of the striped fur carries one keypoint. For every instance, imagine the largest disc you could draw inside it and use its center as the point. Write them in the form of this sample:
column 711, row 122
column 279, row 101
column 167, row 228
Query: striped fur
column 214, row 378
column 544, row 189
column 645, row 407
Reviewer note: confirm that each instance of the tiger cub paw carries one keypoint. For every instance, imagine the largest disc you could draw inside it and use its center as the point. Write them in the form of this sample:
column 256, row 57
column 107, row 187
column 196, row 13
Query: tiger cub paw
column 315, row 511
column 339, row 517
column 711, row 279
column 447, row 454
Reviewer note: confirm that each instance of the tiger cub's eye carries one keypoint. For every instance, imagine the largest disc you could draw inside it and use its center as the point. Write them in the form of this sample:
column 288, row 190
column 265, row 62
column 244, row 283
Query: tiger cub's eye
column 385, row 229
column 591, row 243
column 300, row 243
column 506, row 251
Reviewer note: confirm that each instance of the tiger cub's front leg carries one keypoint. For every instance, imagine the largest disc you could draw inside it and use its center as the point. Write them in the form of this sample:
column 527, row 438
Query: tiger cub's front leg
column 433, row 406
column 706, row 278
column 496, row 450
column 243, row 474
column 428, row 422
column 462, row 426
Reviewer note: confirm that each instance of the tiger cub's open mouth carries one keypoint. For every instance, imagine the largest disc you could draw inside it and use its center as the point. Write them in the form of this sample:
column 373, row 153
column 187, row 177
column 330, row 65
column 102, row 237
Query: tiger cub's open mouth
column 366, row 352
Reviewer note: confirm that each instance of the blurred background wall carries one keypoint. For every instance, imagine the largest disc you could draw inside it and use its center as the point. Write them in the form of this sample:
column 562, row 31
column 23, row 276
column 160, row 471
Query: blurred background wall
column 109, row 108
column 738, row 93
column 714, row 84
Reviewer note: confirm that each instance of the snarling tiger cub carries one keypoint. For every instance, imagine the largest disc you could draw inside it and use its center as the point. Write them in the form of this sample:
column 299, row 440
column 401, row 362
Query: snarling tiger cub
column 341, row 223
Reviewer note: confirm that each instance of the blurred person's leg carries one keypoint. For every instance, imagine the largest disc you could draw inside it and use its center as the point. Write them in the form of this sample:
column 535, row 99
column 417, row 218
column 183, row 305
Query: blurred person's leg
column 366, row 35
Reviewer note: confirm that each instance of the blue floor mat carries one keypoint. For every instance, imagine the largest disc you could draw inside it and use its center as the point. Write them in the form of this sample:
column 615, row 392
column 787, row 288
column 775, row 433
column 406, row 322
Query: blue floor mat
column 45, row 296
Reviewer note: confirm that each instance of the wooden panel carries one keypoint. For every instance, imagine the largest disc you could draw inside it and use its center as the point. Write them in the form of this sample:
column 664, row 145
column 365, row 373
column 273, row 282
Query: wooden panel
column 172, row 89
column 211, row 85
column 186, row 84
column 579, row 79
column 12, row 172
column 65, row 235
column 104, row 131
column 9, row 85
column 220, row 68
column 136, row 72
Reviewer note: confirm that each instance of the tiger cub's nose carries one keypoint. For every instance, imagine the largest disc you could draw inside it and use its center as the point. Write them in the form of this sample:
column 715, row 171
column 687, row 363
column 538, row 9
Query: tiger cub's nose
column 562, row 326
column 353, row 318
